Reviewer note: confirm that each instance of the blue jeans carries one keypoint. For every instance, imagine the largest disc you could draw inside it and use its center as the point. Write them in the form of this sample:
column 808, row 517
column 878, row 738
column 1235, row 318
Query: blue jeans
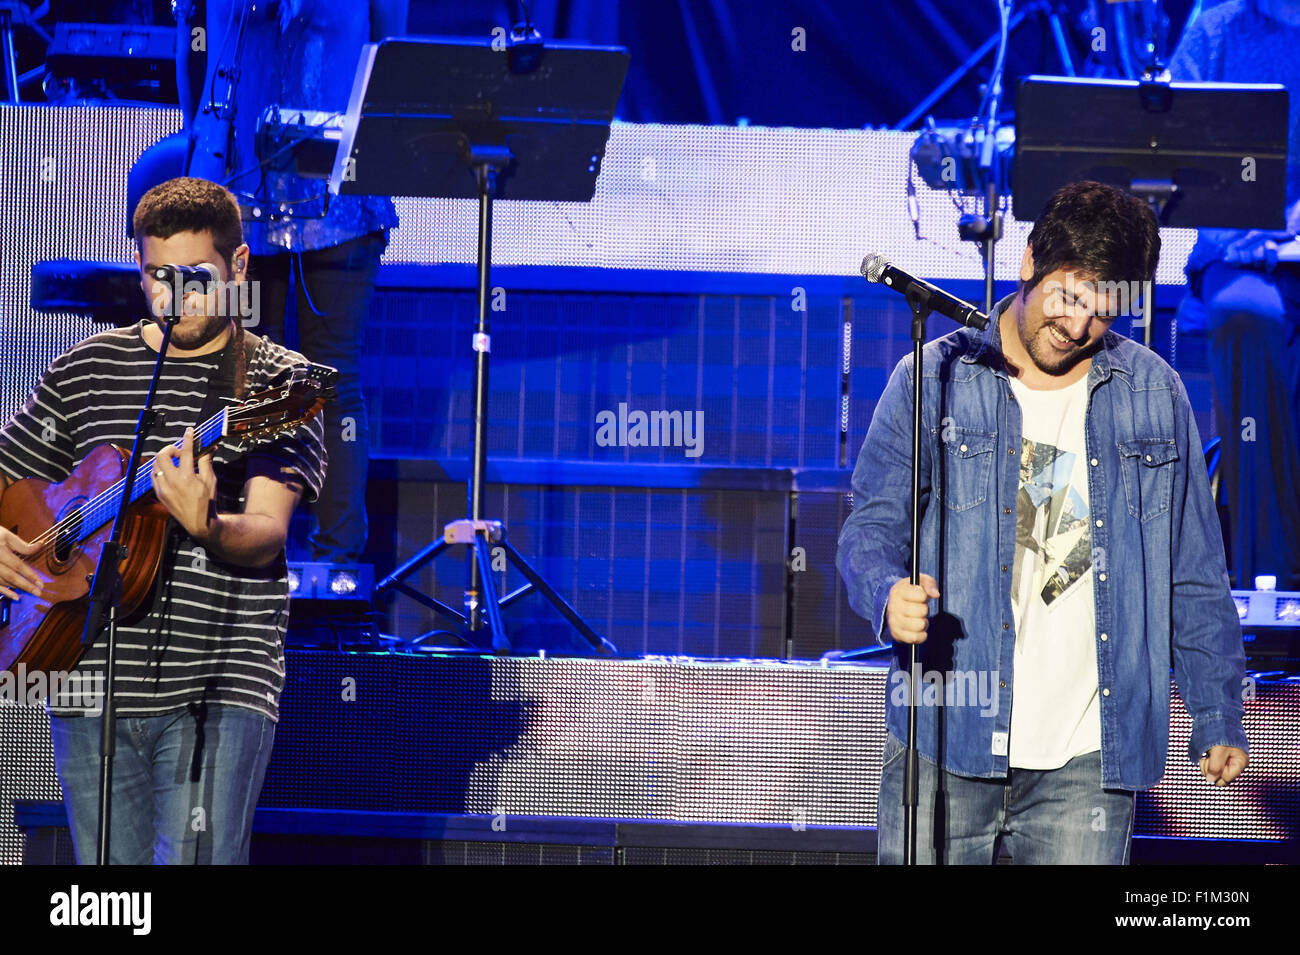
column 184, row 784
column 1051, row 817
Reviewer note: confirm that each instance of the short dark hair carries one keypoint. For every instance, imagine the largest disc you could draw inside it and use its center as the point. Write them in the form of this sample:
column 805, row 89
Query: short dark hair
column 187, row 204
column 1095, row 228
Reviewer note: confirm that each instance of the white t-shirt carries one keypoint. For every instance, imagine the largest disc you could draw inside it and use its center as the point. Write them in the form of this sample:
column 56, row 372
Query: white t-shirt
column 1055, row 714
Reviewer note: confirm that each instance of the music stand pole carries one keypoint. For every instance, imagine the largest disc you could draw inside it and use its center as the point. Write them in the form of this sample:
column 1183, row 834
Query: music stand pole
column 486, row 160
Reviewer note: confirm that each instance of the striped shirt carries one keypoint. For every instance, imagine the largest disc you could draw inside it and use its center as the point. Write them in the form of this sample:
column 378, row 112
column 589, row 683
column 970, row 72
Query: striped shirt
column 213, row 632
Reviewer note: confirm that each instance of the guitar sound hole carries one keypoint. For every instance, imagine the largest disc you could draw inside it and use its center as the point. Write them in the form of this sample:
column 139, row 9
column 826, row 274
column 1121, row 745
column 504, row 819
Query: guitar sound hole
column 68, row 536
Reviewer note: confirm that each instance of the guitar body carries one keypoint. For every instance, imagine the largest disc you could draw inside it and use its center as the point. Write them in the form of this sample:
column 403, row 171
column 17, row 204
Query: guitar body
column 45, row 634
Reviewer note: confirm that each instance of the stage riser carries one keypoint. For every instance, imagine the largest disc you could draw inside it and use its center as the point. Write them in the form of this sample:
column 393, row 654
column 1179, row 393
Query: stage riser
column 663, row 740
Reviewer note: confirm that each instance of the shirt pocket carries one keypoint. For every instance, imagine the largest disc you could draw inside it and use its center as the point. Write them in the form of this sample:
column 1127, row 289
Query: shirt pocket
column 1147, row 467
column 968, row 463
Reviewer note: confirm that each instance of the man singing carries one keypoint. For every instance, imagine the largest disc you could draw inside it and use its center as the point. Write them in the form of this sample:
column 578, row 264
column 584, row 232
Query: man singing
column 198, row 676
column 1071, row 551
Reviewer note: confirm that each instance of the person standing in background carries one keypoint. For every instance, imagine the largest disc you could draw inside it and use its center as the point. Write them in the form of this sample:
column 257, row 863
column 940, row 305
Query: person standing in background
column 1249, row 303
column 319, row 252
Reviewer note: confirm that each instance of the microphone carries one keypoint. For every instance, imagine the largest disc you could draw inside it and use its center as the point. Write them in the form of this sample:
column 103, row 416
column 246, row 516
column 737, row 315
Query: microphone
column 204, row 272
column 876, row 269
column 180, row 280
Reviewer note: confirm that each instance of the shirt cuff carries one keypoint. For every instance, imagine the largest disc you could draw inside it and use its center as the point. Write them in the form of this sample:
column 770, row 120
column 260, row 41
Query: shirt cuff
column 1215, row 731
column 880, row 603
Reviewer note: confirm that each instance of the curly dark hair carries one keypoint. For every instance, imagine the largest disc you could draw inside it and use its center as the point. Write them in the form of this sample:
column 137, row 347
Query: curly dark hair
column 187, row 204
column 1095, row 228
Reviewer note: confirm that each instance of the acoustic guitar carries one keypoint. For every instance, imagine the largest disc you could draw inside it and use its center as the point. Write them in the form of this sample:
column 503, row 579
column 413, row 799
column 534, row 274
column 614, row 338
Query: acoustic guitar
column 73, row 519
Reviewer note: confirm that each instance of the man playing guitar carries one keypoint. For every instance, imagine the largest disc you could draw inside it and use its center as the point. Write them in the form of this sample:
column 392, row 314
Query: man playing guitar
column 200, row 665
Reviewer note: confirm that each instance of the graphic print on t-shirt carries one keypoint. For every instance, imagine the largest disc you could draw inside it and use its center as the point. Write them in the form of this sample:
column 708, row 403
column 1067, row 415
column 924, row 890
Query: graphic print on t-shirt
column 1055, row 708
column 1053, row 545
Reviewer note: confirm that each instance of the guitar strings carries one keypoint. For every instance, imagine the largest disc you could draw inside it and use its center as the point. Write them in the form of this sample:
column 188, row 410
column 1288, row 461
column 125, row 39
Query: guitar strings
column 103, row 506
column 107, row 501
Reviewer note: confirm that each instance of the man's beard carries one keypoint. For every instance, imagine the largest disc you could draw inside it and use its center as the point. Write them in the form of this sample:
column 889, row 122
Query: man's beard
column 1048, row 359
column 195, row 331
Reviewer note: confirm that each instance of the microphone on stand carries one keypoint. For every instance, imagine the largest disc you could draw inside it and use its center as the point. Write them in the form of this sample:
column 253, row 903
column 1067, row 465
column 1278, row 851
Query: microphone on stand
column 203, row 272
column 876, row 269
column 180, row 280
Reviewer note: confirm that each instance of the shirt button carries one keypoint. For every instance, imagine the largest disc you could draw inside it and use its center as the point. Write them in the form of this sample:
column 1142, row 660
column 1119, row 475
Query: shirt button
column 1094, row 462
column 1148, row 457
column 1006, row 510
column 1105, row 692
column 1004, row 568
column 963, row 447
column 1003, row 684
column 1103, row 637
column 1101, row 576
column 1099, row 522
column 1011, row 450
column 1006, row 626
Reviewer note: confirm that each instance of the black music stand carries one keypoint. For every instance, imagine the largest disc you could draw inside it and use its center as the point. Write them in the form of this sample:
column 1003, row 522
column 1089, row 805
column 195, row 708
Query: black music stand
column 1204, row 155
column 452, row 118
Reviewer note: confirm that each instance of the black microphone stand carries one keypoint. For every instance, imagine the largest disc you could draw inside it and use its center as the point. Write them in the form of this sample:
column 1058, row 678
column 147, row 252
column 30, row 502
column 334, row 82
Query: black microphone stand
column 986, row 230
column 918, row 300
column 106, row 589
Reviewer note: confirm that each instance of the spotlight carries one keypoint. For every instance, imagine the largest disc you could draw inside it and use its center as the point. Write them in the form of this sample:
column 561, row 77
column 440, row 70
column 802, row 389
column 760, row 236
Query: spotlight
column 1288, row 610
column 321, row 581
column 343, row 583
column 330, row 606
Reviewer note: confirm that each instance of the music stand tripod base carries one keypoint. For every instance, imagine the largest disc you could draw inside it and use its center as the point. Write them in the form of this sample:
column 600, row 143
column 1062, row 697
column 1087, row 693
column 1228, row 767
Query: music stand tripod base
column 482, row 536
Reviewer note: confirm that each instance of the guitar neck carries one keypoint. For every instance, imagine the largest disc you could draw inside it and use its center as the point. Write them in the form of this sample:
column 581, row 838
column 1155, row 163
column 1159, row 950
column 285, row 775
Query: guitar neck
column 254, row 420
column 103, row 508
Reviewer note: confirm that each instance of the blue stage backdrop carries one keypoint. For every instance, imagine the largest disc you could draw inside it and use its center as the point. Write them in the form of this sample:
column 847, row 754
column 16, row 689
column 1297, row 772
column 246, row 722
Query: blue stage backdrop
column 714, row 276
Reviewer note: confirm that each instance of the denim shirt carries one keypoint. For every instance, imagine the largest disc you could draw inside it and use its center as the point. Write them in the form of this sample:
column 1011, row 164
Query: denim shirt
column 1159, row 576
